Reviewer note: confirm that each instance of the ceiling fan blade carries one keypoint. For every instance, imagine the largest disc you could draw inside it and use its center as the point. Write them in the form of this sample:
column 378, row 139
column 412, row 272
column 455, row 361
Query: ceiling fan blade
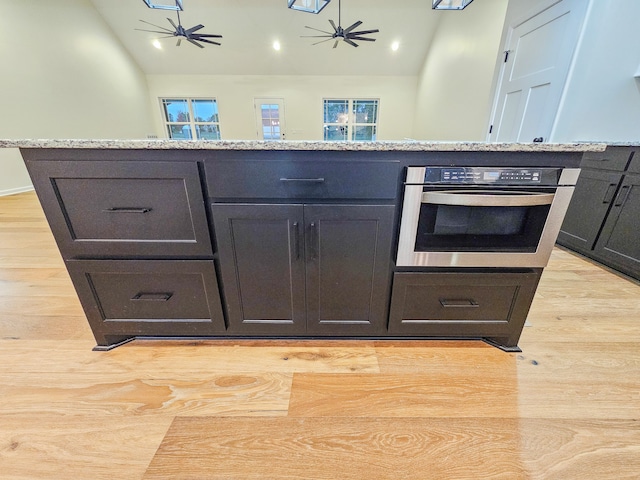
column 336, row 44
column 333, row 25
column 357, row 24
column 172, row 23
column 179, row 41
column 208, row 41
column 205, row 35
column 354, row 44
column 364, row 32
column 195, row 43
column 154, row 31
column 157, row 26
column 323, row 41
column 193, row 29
column 365, row 39
column 318, row 30
column 316, row 36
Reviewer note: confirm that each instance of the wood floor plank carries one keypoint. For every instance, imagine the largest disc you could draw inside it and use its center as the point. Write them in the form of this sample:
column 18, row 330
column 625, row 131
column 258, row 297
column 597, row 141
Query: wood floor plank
column 449, row 394
column 189, row 359
column 399, row 448
column 220, row 395
column 38, row 446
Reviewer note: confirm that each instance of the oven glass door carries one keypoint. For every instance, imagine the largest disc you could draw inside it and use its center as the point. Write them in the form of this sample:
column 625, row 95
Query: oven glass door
column 482, row 220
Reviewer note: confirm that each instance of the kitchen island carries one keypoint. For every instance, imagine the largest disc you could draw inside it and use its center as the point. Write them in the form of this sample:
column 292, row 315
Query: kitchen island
column 229, row 239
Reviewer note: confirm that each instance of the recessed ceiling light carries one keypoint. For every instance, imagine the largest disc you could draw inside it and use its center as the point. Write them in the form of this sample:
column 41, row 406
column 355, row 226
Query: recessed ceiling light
column 276, row 45
column 156, row 43
column 395, row 46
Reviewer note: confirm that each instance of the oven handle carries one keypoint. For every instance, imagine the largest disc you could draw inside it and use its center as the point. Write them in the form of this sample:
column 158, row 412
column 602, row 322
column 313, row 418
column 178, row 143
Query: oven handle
column 488, row 198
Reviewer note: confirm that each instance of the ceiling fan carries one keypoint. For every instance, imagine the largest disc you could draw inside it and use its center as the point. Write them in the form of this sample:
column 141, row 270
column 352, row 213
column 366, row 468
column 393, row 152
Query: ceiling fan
column 348, row 34
column 187, row 33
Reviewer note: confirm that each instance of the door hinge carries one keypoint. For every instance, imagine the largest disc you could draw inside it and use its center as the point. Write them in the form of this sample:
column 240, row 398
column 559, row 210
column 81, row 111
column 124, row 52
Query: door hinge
column 490, row 129
column 506, row 55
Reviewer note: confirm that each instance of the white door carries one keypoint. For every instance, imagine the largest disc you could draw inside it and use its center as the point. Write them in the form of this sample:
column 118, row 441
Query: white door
column 270, row 123
column 537, row 57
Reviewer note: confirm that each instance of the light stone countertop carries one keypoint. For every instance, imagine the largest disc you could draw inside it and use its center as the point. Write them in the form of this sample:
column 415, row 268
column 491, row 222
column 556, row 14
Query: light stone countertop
column 294, row 145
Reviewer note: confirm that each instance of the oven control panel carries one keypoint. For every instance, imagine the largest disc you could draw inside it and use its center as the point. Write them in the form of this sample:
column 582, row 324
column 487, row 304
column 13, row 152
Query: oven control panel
column 486, row 175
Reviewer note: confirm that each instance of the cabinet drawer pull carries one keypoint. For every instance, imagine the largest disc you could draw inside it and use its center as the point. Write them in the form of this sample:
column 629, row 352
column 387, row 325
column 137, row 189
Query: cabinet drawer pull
column 458, row 303
column 127, row 210
column 151, row 297
column 302, row 180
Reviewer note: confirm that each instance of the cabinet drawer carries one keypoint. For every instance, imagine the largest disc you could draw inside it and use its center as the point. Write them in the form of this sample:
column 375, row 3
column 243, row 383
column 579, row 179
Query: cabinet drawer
column 153, row 298
column 613, row 158
column 312, row 176
column 124, row 208
column 455, row 304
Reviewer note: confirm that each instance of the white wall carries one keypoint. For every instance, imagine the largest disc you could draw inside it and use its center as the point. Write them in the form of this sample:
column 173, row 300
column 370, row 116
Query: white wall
column 302, row 96
column 64, row 75
column 602, row 98
column 455, row 86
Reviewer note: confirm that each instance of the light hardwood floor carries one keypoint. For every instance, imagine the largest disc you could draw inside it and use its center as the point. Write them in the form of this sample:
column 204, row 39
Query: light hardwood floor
column 567, row 407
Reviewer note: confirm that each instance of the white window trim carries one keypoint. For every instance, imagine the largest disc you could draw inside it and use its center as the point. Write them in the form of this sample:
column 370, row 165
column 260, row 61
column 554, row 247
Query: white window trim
column 192, row 123
column 351, row 124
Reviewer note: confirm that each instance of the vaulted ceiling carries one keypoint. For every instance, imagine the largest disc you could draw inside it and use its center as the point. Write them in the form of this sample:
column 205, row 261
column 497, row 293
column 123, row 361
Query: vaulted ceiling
column 250, row 27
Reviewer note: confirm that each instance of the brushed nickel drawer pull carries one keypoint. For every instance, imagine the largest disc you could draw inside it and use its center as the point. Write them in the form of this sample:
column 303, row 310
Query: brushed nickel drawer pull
column 127, row 210
column 151, row 297
column 458, row 303
column 303, row 180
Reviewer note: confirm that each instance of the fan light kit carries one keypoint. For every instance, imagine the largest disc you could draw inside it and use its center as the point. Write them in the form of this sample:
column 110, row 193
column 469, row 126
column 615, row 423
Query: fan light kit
column 450, row 4
column 348, row 35
column 189, row 34
column 309, row 6
column 177, row 5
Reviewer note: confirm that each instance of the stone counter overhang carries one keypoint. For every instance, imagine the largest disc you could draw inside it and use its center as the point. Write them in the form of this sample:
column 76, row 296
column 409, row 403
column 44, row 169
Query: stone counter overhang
column 292, row 145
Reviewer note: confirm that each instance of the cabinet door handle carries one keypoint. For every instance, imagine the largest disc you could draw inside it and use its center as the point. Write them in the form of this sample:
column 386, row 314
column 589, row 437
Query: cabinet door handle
column 608, row 196
column 458, row 303
column 296, row 239
column 313, row 240
column 302, row 180
column 622, row 197
column 127, row 210
column 152, row 297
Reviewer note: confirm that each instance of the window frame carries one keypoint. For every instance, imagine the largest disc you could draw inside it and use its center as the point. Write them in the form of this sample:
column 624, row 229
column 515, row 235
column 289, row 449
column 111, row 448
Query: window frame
column 191, row 123
column 351, row 125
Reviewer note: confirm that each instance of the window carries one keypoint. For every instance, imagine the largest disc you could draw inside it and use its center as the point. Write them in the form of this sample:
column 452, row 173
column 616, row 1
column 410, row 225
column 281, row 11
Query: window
column 191, row 118
column 355, row 120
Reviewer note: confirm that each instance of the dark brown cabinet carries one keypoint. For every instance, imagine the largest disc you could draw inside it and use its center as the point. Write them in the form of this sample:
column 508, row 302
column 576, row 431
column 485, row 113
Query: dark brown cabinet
column 128, row 298
column 305, row 269
column 602, row 221
column 619, row 243
column 127, row 208
column 488, row 304
column 135, row 239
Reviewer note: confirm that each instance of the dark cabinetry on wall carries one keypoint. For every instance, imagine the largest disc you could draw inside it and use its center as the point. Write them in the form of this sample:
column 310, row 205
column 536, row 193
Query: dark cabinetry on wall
column 603, row 219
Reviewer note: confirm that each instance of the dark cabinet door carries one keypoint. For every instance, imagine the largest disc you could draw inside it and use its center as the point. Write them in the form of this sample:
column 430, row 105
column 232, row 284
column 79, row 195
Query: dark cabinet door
column 619, row 243
column 261, row 255
column 348, row 249
column 591, row 201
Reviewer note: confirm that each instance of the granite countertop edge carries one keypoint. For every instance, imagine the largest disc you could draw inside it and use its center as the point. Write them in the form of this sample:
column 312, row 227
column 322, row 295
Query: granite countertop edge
column 399, row 146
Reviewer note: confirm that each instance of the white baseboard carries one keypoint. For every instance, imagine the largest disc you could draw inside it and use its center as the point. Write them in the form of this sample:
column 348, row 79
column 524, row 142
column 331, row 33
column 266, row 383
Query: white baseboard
column 13, row 191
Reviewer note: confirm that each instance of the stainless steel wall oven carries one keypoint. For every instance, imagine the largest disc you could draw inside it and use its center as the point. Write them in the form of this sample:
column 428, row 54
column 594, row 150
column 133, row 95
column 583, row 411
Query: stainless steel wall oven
column 482, row 216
